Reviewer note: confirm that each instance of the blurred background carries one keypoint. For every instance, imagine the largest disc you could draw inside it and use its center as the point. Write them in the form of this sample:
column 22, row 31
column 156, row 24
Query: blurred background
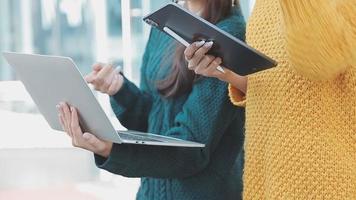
column 37, row 162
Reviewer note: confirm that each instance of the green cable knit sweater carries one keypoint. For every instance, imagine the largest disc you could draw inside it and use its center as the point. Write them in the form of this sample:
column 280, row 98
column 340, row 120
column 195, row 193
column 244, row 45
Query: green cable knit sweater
column 205, row 115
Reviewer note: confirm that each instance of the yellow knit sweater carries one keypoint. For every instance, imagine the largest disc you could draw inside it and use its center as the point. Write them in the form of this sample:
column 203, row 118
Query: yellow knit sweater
column 301, row 116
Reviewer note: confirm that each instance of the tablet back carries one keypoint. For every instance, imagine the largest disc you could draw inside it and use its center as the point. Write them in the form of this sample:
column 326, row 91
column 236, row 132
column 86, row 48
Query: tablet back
column 236, row 55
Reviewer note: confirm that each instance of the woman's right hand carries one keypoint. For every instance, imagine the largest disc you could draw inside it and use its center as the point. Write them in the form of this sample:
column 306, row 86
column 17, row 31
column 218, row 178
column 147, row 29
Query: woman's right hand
column 203, row 64
column 105, row 78
column 206, row 65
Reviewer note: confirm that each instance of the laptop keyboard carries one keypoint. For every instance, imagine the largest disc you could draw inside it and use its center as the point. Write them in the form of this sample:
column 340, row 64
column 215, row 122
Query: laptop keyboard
column 128, row 136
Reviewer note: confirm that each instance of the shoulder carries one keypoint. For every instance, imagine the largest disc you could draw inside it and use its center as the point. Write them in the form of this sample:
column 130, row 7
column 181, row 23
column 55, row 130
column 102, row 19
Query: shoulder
column 234, row 24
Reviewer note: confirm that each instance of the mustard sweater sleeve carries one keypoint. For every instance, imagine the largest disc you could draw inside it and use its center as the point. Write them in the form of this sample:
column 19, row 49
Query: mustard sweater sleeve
column 237, row 97
column 320, row 36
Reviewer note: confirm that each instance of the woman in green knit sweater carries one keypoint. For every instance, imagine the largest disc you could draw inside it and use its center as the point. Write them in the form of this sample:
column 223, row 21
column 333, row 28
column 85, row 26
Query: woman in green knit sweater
column 172, row 101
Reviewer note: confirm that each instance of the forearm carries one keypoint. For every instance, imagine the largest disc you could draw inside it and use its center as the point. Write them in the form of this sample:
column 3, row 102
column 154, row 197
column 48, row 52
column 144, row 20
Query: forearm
column 153, row 161
column 239, row 82
column 196, row 121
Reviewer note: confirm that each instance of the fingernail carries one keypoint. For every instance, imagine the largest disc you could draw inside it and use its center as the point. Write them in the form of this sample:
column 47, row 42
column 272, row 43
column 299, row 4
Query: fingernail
column 199, row 44
column 57, row 106
column 72, row 109
column 209, row 44
column 220, row 69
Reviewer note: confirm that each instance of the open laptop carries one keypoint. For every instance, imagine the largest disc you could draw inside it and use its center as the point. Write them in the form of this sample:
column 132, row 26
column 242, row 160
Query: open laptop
column 53, row 79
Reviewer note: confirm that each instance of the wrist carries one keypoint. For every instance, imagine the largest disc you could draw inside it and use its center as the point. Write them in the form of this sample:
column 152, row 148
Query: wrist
column 239, row 82
column 120, row 83
column 106, row 151
column 229, row 76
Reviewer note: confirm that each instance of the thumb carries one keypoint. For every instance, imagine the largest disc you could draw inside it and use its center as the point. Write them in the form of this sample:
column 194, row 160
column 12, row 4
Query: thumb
column 90, row 77
column 98, row 66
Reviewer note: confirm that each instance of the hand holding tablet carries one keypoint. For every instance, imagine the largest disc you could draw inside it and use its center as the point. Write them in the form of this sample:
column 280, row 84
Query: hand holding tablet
column 187, row 28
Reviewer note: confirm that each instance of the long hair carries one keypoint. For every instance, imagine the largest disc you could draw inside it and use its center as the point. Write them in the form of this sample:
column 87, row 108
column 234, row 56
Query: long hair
column 180, row 80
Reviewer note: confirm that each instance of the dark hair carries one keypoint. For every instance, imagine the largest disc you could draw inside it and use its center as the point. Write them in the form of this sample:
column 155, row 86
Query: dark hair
column 180, row 80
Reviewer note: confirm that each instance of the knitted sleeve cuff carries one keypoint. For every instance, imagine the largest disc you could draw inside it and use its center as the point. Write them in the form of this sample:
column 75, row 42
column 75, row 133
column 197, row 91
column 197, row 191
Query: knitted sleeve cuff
column 127, row 94
column 118, row 160
column 319, row 46
column 237, row 97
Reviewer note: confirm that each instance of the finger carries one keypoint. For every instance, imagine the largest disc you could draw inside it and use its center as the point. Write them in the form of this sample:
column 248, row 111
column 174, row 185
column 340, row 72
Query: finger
column 105, row 70
column 75, row 129
column 108, row 81
column 212, row 68
column 204, row 63
column 66, row 117
column 200, row 53
column 75, row 126
column 214, row 64
column 61, row 113
column 61, row 119
column 191, row 65
column 65, row 110
column 191, row 49
column 102, row 75
column 98, row 66
column 61, row 122
column 91, row 76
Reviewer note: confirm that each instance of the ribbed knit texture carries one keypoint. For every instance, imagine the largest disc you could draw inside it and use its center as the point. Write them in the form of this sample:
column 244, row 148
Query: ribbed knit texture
column 301, row 116
column 205, row 115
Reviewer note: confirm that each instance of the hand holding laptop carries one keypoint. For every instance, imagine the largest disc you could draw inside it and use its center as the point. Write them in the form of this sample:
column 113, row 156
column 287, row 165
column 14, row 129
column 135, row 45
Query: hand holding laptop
column 106, row 79
column 68, row 117
column 68, row 85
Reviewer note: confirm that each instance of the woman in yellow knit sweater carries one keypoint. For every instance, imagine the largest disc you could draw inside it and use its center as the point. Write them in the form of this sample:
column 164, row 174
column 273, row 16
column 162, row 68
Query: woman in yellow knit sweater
column 300, row 116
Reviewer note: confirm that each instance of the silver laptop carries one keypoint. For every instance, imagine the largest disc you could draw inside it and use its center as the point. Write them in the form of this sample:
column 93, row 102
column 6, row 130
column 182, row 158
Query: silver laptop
column 53, row 79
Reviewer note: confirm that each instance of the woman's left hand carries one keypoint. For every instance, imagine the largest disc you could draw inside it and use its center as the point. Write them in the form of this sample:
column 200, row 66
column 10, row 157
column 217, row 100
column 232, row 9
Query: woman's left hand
column 68, row 117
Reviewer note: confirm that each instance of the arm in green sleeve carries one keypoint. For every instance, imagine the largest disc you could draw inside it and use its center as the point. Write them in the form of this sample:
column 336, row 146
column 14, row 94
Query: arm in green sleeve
column 204, row 118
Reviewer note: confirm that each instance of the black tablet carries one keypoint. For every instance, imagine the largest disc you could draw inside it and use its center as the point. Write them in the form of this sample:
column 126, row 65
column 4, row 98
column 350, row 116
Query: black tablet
column 188, row 28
